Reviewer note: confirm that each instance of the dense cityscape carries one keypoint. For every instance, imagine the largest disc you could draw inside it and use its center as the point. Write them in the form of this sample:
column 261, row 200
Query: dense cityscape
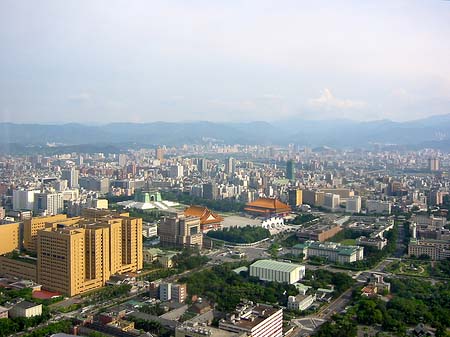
column 223, row 240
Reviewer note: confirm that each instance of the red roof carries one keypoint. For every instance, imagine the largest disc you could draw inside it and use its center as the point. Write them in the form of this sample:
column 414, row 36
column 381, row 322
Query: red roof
column 205, row 215
column 267, row 205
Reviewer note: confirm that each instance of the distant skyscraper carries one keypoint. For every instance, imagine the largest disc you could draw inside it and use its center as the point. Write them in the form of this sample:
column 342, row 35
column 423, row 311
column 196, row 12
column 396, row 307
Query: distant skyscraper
column 210, row 191
column 290, row 170
column 71, row 175
column 433, row 164
column 202, row 165
column 229, row 165
column 48, row 203
column 23, row 199
column 160, row 154
column 122, row 159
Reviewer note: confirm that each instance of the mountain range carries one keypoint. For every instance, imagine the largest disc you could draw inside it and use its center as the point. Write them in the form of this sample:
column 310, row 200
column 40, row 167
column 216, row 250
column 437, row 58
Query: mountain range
column 431, row 132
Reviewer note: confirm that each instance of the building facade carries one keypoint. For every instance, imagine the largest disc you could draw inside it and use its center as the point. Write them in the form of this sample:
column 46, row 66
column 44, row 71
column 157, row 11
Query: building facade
column 275, row 271
column 255, row 320
column 334, row 252
column 181, row 231
column 77, row 257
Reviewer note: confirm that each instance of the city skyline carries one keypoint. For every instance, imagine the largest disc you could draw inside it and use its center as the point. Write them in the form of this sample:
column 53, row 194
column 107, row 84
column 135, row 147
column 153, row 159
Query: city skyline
column 91, row 62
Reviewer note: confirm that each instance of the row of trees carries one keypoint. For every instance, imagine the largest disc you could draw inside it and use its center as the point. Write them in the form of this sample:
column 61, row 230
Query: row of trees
column 247, row 234
column 303, row 218
column 414, row 301
column 223, row 205
column 226, row 288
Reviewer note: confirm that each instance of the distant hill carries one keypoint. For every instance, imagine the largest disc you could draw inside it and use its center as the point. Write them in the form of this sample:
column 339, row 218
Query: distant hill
column 428, row 132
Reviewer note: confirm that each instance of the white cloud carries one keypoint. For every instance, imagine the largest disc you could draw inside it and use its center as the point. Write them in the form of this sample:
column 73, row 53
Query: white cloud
column 328, row 101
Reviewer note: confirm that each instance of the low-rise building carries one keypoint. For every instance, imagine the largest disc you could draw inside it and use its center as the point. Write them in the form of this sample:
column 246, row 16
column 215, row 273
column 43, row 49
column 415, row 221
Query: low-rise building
column 376, row 242
column 25, row 309
column 275, row 271
column 333, row 252
column 300, row 302
column 319, row 232
column 435, row 249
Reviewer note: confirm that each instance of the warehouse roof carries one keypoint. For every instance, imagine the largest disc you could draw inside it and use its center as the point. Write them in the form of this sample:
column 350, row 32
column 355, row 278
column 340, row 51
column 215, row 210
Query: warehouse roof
column 276, row 265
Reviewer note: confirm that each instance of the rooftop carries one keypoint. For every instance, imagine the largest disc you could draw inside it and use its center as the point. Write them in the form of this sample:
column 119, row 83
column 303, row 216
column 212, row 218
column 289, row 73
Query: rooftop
column 269, row 203
column 276, row 265
column 26, row 305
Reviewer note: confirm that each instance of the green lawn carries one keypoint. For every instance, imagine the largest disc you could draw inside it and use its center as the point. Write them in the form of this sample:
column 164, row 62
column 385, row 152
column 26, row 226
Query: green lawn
column 348, row 242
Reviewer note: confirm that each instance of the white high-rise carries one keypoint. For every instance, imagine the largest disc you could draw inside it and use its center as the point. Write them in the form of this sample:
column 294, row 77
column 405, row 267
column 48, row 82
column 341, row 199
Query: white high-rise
column 23, row 199
column 353, row 204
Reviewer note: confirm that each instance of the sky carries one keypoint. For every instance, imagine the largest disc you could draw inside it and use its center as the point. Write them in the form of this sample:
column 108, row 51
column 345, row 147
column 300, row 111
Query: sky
column 234, row 60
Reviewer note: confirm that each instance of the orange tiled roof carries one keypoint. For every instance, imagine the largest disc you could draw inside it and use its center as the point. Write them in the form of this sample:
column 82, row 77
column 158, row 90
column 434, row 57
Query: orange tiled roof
column 205, row 215
column 268, row 203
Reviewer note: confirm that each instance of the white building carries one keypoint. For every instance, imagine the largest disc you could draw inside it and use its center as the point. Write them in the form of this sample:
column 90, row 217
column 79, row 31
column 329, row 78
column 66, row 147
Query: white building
column 25, row 309
column 300, row 302
column 149, row 230
column 331, row 201
column 48, row 203
column 176, row 171
column 275, row 271
column 23, row 199
column 378, row 206
column 71, row 175
column 255, row 320
column 353, row 205
column 334, row 252
column 273, row 222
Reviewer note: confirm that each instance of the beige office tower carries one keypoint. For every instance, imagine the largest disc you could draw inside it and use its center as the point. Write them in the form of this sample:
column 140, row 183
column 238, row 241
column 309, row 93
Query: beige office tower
column 9, row 237
column 75, row 258
column 33, row 225
column 179, row 230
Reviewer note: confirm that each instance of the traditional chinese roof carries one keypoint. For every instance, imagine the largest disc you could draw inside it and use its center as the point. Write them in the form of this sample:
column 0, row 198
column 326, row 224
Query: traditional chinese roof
column 267, row 205
column 205, row 215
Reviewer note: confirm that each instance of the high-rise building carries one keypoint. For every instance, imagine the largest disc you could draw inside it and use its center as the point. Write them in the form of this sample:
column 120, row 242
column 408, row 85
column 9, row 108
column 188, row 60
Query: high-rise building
column 202, row 165
column 71, row 175
column 95, row 184
column 10, row 235
column 230, row 166
column 331, row 201
column 165, row 292
column 433, row 164
column 176, row 171
column 353, row 205
column 79, row 255
column 290, row 170
column 210, row 191
column 123, row 158
column 295, row 197
column 23, row 199
column 179, row 230
column 48, row 203
column 313, row 198
column 160, row 154
column 33, row 225
column 179, row 292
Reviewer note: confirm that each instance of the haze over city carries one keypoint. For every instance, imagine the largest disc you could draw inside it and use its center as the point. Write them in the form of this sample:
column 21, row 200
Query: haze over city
column 116, row 61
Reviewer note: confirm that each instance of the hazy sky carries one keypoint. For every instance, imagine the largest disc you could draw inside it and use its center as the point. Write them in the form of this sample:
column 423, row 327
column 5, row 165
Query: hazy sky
column 230, row 60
